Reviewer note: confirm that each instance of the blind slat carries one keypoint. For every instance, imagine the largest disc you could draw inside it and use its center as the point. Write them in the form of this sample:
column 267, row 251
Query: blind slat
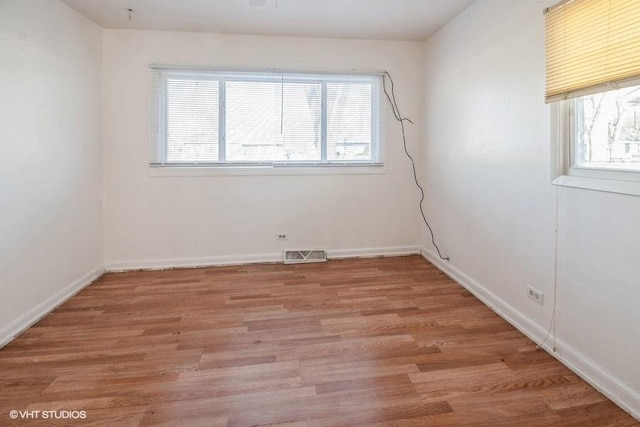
column 273, row 121
column 589, row 44
column 349, row 124
column 192, row 120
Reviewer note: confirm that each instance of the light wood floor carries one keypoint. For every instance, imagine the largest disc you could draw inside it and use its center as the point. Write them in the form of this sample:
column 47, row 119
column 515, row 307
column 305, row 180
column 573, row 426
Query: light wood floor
column 374, row 342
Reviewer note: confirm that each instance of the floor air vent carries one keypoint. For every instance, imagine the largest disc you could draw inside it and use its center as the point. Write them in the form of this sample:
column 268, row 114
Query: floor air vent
column 309, row 255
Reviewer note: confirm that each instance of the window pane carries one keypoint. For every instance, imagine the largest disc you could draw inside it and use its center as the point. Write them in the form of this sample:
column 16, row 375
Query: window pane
column 349, row 121
column 608, row 129
column 192, row 120
column 263, row 118
column 273, row 121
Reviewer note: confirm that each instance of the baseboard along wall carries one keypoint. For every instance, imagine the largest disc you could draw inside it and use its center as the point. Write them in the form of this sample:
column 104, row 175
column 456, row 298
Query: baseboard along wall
column 612, row 387
column 31, row 317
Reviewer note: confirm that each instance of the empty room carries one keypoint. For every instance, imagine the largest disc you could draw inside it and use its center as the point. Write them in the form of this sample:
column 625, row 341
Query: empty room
column 320, row 213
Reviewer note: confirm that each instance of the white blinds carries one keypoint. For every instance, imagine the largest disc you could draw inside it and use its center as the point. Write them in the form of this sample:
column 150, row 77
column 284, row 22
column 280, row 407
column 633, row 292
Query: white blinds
column 349, row 124
column 277, row 120
column 591, row 44
column 217, row 118
column 192, row 120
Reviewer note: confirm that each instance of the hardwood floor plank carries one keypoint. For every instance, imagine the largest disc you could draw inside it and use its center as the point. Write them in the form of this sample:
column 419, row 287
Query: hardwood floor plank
column 358, row 342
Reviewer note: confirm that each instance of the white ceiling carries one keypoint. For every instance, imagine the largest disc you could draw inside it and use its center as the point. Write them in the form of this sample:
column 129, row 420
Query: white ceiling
column 356, row 19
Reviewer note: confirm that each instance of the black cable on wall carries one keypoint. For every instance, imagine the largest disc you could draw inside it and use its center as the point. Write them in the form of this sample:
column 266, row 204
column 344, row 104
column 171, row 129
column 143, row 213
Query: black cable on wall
column 396, row 112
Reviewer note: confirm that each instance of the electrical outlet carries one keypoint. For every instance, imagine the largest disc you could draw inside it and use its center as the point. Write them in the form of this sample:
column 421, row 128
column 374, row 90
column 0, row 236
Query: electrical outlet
column 535, row 295
column 282, row 236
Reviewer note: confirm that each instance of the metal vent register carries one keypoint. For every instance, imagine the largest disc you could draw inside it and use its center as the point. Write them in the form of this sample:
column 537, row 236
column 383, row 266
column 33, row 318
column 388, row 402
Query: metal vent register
column 302, row 256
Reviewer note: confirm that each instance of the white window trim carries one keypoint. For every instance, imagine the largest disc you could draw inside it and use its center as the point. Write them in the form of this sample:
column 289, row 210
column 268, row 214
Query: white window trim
column 565, row 174
column 254, row 170
column 322, row 167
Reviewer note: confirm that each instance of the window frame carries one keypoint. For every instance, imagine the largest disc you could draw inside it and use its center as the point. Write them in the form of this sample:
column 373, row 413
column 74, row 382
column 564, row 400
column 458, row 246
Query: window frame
column 605, row 55
column 564, row 170
column 158, row 116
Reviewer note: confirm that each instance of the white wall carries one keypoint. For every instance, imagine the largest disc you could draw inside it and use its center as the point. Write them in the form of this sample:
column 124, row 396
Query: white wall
column 487, row 165
column 51, row 228
column 156, row 221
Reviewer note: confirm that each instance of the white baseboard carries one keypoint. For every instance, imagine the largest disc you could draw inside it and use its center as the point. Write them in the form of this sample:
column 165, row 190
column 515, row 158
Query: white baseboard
column 373, row 252
column 24, row 322
column 196, row 262
column 170, row 263
column 15, row 328
column 621, row 394
column 612, row 387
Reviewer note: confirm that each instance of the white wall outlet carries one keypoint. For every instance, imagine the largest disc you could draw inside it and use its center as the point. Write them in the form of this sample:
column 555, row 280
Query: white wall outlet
column 282, row 236
column 535, row 295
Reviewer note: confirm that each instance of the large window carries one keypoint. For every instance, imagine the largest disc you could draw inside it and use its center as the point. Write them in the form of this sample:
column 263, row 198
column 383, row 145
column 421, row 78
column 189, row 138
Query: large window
column 593, row 83
column 216, row 119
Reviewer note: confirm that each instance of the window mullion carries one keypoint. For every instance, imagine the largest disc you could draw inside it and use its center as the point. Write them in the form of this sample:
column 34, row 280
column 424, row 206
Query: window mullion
column 163, row 118
column 375, row 120
column 323, row 123
column 222, row 120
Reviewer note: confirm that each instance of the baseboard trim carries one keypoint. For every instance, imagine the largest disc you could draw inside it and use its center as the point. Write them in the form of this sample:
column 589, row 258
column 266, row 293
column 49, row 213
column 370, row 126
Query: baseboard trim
column 216, row 261
column 28, row 319
column 373, row 252
column 618, row 392
column 196, row 262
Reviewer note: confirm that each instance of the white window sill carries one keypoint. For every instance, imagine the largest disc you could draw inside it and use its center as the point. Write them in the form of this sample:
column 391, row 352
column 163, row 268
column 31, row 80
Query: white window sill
column 365, row 169
column 607, row 185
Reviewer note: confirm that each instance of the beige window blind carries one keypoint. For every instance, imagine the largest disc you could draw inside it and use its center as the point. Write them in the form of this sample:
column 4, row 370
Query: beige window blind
column 591, row 45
